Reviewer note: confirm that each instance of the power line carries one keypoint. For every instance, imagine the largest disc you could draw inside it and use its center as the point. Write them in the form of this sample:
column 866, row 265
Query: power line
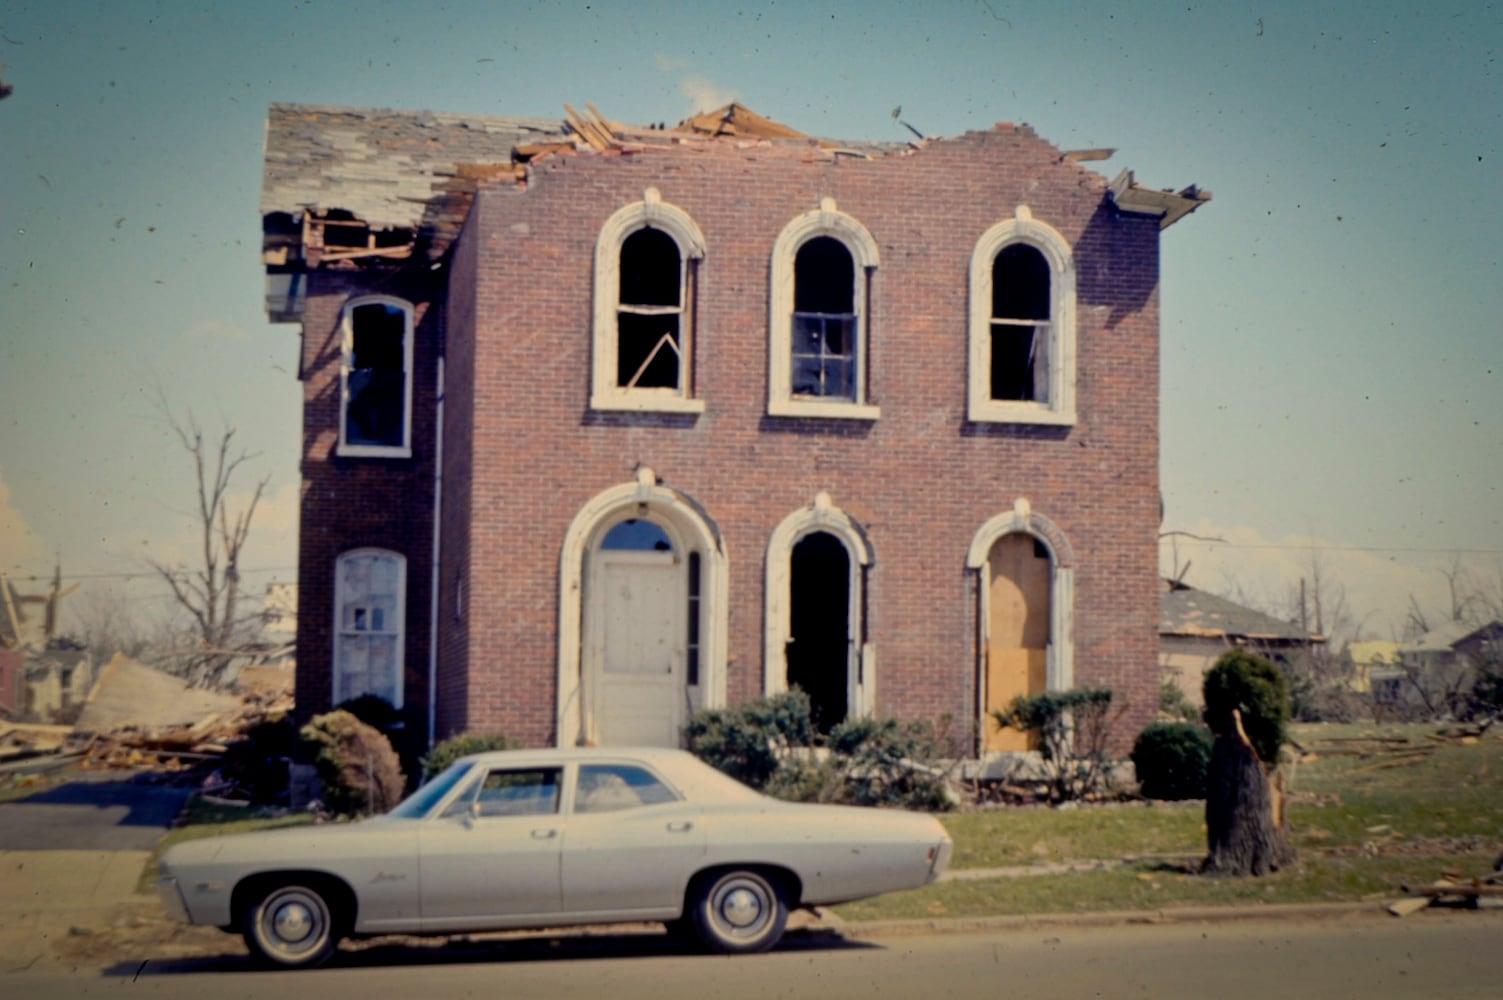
column 1211, row 543
column 136, row 574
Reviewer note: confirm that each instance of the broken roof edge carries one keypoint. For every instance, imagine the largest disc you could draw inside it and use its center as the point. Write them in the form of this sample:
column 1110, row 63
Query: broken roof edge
column 1169, row 206
column 553, row 124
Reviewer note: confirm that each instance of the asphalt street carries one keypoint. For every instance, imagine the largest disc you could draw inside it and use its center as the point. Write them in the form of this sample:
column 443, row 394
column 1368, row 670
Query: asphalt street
column 91, row 813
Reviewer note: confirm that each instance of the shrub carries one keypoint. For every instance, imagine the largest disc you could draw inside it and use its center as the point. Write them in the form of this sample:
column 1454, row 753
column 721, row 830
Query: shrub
column 1073, row 728
column 1257, row 689
column 883, row 762
column 256, row 763
column 359, row 770
column 371, row 709
column 460, row 745
column 746, row 742
column 1170, row 759
column 1173, row 704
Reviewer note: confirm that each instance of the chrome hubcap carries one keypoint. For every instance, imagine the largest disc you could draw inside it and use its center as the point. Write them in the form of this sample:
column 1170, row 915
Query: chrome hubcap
column 292, row 922
column 741, row 908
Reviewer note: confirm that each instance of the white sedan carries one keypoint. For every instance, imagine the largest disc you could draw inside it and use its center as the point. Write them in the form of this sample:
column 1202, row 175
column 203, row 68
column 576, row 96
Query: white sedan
column 546, row 838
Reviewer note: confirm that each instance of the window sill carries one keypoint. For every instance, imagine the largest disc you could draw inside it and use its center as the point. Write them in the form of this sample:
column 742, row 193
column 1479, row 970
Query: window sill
column 811, row 408
column 1019, row 413
column 632, row 403
column 371, row 451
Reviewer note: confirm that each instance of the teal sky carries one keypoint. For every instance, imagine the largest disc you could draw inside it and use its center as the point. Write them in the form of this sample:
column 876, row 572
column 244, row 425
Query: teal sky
column 1332, row 344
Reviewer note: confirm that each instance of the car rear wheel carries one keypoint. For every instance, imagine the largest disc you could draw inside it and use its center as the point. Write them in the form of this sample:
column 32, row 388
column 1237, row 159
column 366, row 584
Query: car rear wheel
column 741, row 911
column 291, row 926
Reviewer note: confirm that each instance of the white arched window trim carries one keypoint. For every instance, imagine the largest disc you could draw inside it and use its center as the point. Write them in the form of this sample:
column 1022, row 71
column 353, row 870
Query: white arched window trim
column 643, row 495
column 826, row 220
column 345, row 631
column 1059, row 409
column 347, row 349
column 821, row 515
column 649, row 213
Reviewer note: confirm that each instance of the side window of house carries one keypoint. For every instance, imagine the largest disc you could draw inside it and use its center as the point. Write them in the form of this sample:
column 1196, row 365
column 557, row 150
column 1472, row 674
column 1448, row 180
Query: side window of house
column 376, row 379
column 369, row 595
column 646, row 267
column 819, row 320
column 1022, row 325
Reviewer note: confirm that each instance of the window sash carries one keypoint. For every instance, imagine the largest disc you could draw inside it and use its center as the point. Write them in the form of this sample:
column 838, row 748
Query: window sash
column 824, row 355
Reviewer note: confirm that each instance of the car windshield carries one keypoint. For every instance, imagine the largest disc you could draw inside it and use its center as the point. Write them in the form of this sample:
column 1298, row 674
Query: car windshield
column 420, row 802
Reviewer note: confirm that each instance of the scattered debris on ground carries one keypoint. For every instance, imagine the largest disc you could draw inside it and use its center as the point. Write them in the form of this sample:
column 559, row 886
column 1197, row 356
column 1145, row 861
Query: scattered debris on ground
column 139, row 718
column 1394, row 751
column 1454, row 889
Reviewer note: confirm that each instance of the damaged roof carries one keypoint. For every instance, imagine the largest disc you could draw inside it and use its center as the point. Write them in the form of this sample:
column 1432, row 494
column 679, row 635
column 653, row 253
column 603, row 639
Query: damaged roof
column 378, row 164
column 1185, row 611
column 344, row 186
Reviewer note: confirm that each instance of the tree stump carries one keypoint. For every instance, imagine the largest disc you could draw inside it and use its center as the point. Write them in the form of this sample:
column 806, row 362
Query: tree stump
column 1242, row 835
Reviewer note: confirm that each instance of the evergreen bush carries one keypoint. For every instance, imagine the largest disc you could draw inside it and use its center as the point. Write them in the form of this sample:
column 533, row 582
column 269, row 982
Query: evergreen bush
column 446, row 752
column 360, row 771
column 1256, row 688
column 746, row 742
column 1170, row 759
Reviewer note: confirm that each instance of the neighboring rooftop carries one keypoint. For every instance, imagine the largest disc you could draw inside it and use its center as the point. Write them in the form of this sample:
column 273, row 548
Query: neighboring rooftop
column 1185, row 611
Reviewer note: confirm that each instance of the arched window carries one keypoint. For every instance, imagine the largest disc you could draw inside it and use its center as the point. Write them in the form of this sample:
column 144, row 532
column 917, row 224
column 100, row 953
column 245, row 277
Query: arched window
column 375, row 385
column 646, row 266
column 1022, row 325
column 370, row 596
column 820, row 316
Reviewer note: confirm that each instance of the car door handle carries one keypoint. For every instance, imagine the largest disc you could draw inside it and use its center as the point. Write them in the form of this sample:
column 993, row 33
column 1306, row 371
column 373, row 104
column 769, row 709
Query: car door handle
column 683, row 826
column 544, row 834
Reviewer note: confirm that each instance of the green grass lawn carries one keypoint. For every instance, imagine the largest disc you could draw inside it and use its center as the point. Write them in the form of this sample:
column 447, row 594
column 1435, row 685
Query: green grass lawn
column 1363, row 823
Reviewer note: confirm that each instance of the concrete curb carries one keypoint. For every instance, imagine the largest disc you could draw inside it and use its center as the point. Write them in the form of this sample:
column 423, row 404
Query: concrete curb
column 1105, row 918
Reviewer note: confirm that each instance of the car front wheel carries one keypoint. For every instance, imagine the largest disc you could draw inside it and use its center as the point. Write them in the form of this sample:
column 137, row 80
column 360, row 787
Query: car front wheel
column 291, row 926
column 741, row 911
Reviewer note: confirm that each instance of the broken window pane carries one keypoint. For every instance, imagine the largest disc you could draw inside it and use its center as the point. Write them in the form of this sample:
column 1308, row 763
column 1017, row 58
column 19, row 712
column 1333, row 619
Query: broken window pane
column 1020, row 324
column 649, row 335
column 365, row 652
column 824, row 320
column 376, row 382
column 637, row 535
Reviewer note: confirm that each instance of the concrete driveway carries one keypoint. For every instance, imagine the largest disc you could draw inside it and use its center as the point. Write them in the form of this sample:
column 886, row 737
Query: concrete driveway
column 70, row 857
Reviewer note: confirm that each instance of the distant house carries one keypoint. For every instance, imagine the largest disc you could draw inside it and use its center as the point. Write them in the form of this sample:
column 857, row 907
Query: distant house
column 1196, row 628
column 43, row 676
column 1439, row 667
column 1375, row 669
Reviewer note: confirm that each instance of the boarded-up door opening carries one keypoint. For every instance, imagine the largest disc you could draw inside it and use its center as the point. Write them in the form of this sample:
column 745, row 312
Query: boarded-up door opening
column 1017, row 611
column 819, row 612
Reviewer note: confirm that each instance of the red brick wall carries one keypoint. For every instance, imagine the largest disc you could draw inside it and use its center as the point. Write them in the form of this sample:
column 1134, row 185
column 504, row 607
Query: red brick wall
column 350, row 503
column 921, row 479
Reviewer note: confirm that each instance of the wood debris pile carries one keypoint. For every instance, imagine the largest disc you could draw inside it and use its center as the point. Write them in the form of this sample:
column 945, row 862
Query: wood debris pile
column 166, row 749
column 1383, row 752
column 1455, row 889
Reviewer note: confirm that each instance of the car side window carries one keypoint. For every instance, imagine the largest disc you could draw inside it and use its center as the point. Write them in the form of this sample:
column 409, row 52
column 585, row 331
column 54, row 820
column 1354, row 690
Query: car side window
column 613, row 787
column 522, row 792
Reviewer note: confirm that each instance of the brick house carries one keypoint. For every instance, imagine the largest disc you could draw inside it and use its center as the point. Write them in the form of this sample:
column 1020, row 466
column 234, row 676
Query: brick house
column 603, row 425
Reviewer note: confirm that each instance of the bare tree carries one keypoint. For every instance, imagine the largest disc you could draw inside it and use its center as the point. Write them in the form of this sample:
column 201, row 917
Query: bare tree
column 210, row 592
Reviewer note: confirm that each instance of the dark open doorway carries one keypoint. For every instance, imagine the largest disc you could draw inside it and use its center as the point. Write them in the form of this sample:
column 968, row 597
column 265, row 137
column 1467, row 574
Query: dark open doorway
column 818, row 651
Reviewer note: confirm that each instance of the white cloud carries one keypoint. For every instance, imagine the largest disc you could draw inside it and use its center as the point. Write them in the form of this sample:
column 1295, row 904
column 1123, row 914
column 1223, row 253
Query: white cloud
column 704, row 94
column 20, row 549
column 669, row 64
column 1266, row 572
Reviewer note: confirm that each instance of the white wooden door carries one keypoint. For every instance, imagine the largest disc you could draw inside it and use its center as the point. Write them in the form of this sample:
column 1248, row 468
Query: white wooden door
column 639, row 694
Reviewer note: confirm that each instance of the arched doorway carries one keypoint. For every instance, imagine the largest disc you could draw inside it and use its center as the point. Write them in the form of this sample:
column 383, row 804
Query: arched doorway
column 1017, row 583
column 642, row 617
column 1025, row 591
column 635, row 635
column 817, row 563
column 818, row 650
